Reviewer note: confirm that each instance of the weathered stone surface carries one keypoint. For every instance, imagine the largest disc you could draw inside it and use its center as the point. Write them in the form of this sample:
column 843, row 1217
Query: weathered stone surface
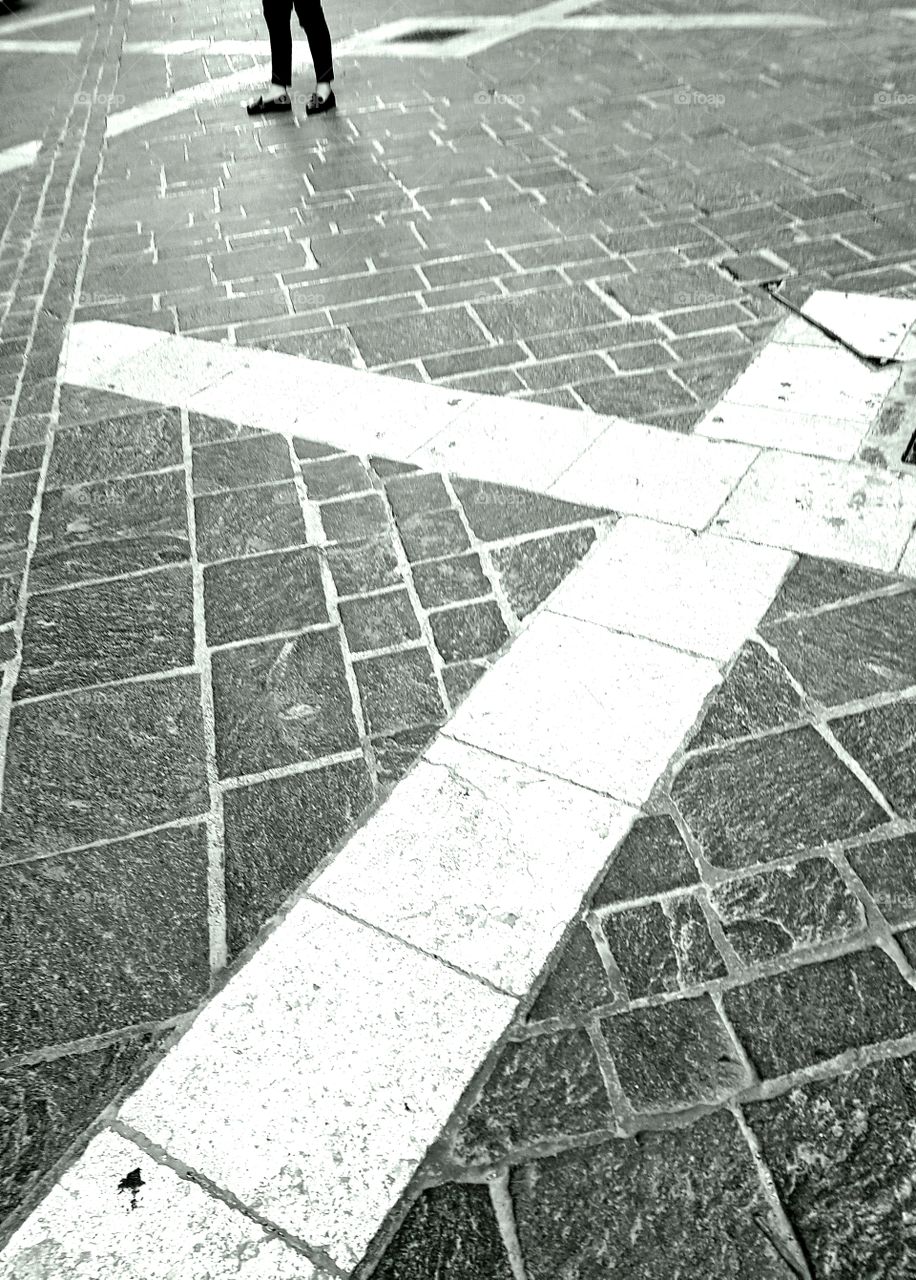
column 379, row 621
column 308, row 449
column 239, row 464
column 396, row 753
column 652, row 859
column 459, row 679
column 640, row 943
column 697, row 956
column 263, row 595
column 540, row 1089
column 17, row 493
column 364, row 566
column 577, row 982
column 101, row 763
column 782, row 794
column 277, row 832
column 249, row 521
column 450, row 1231
column 814, row 583
column 843, row 1155
column 529, row 571
column 756, row 695
column 125, row 446
column 628, row 1208
column 104, row 938
column 674, row 1056
column 354, row 519
column 413, row 494
column 883, row 741
column 399, row 691
column 431, row 535
column 813, row 1013
column 206, row 430
column 497, row 511
column 650, row 291
column 887, row 868
column 88, row 404
column 468, row 630
column 451, row 580
column 334, row 477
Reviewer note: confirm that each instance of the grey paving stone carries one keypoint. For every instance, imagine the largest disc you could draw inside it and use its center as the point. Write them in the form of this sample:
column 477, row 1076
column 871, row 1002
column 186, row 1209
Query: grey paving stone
column 577, row 982
column 887, row 868
column 544, row 311
column 206, row 430
column 622, row 1208
column 907, row 941
column 14, row 532
column 47, row 1106
column 354, row 519
column 451, row 580
column 414, row 494
column 263, row 595
column 7, row 644
column 697, row 956
column 753, row 268
column 102, row 763
column 430, row 333
column 433, row 535
column 756, row 695
column 334, row 477
column 249, row 521
column 380, row 621
column 89, row 404
column 309, row 449
column 529, row 571
column 656, row 291
column 636, row 359
column 104, row 938
column 125, row 446
column 814, row 583
column 473, row 361
column 755, row 801
column 17, row 492
column 633, row 395
column 468, row 631
column 385, row 468
column 364, row 566
column 841, row 1153
column 459, row 679
column 541, row 1089
column 674, row 1056
column 399, row 691
column 277, row 833
column 109, row 528
column 811, row 1014
column 496, row 511
column 882, row 741
column 700, row 319
column 239, row 464
column 778, row 911
column 640, row 942
column 107, row 631
column 450, row 1231
column 396, row 753
column 279, row 702
column 26, row 458
column 651, row 860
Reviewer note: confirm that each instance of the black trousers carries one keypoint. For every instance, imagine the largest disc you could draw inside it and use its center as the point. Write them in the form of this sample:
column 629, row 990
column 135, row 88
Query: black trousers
column 312, row 21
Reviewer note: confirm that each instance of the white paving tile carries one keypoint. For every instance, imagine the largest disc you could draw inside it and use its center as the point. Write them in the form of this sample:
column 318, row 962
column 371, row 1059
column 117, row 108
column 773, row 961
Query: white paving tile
column 648, row 471
column 595, row 707
column 85, row 1228
column 875, row 326
column 692, row 591
column 794, row 432
column 823, row 508
column 313, row 1084
column 810, row 380
column 478, row 860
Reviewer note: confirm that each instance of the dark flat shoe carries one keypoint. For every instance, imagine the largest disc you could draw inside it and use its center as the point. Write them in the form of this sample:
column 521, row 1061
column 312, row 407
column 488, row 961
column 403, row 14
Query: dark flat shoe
column 262, row 108
column 315, row 105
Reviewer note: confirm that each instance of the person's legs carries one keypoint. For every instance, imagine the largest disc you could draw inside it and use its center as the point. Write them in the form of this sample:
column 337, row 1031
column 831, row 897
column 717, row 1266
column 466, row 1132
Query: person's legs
column 277, row 16
column 312, row 20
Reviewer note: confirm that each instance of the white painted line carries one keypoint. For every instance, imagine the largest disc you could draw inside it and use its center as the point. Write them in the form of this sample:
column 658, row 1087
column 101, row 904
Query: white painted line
column 18, row 157
column 873, row 325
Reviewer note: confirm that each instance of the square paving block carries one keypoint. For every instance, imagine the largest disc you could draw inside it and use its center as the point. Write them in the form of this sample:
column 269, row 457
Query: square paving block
column 887, row 868
column 399, row 691
column 355, row 519
column 249, row 521
column 411, row 495
column 116, row 447
column 429, row 535
column 335, row 477
column 450, row 580
column 101, row 763
column 379, row 621
column 263, row 595
column 239, row 464
column 279, row 702
column 361, row 567
column 883, row 742
column 468, row 630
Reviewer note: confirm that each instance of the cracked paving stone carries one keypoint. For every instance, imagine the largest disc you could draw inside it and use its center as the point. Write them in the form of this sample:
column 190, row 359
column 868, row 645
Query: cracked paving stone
column 814, row 583
column 451, row 1232
column 354, row 519
column 101, row 763
column 496, row 511
column 777, row 911
column 449, row 581
column 529, row 571
column 652, row 859
column 127, row 926
column 396, row 753
column 399, row 691
column 541, row 1089
column 577, row 983
column 756, row 695
column 380, row 621
column 631, row 1208
column 240, row 464
column 105, row 450
column 698, row 958
column 674, row 1056
column 432, row 535
column 887, row 868
column 277, row 833
column 843, row 1156
column 107, row 631
column 263, row 595
column 47, row 1106
column 468, row 630
column 650, row 958
column 334, row 477
column 412, row 495
column 280, row 702
column 811, row 1014
column 757, row 801
column 883, row 742
column 249, row 521
column 459, row 679
column 364, row 566
column 106, row 529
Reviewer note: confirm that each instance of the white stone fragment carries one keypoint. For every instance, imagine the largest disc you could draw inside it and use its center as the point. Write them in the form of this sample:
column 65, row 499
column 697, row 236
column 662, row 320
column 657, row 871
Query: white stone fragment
column 873, row 325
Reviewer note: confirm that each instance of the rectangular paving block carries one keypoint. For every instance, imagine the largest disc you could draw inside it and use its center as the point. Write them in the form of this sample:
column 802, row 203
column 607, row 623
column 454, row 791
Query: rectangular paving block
column 263, row 595
column 811, row 380
column 239, row 464
column 248, row 521
column 125, row 446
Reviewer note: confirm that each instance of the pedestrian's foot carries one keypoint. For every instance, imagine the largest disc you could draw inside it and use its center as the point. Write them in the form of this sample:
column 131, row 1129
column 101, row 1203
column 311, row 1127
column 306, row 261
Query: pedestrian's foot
column 274, row 102
column 318, row 103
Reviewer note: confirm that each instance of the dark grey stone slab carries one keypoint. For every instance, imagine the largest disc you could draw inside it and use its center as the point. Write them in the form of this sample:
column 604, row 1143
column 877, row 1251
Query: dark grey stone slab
column 277, row 832
column 541, row 1089
column 380, row 621
column 777, row 911
column 650, row 291
column 529, row 571
column 496, row 511
column 107, row 631
column 105, row 529
column 399, row 691
column 263, row 595
column 364, row 566
column 334, row 477
column 308, row 449
column 577, row 983
column 679, row 1203
column 431, row 535
column 651, row 859
column 814, row 583
column 14, row 531
column 449, row 1232
column 907, row 942
column 46, row 1107
column 17, row 492
column 104, row 938
column 26, row 458
column 355, row 519
column 396, row 753
column 756, row 695
column 206, row 430
column 10, row 583
column 125, row 446
column 384, row 468
column 413, row 494
column 674, row 1056
column 451, row 580
column 459, row 679
column 640, row 943
column 7, row 644
column 755, row 801
column 842, row 1156
column 887, row 868
column 279, row 702
column 249, row 521
column 468, row 630
column 697, row 955
column 883, row 741
column 239, row 464
column 810, row 1014
column 554, row 311
column 101, row 763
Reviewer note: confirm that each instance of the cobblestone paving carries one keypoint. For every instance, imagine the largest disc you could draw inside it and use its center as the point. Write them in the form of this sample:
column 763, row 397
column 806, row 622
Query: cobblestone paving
column 727, row 1034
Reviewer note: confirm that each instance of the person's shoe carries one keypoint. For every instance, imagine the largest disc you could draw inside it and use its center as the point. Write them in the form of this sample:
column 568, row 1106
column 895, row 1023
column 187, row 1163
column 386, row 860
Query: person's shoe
column 316, row 105
column 263, row 107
